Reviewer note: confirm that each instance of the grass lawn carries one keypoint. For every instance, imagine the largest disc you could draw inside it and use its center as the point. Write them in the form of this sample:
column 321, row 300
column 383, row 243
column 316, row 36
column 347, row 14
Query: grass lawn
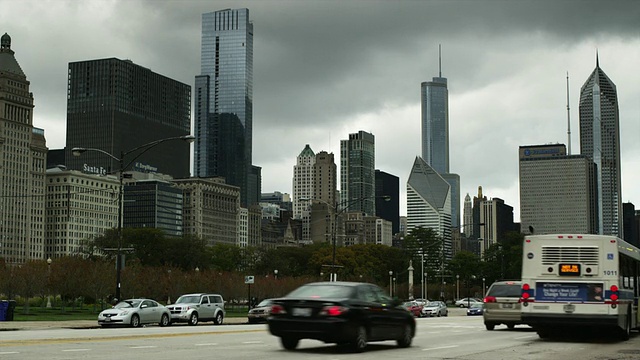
column 87, row 312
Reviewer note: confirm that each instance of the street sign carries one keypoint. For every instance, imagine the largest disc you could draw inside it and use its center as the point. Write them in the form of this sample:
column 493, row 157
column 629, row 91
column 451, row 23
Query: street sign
column 248, row 279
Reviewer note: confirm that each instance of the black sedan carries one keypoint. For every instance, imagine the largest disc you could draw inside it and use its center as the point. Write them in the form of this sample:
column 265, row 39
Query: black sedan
column 345, row 313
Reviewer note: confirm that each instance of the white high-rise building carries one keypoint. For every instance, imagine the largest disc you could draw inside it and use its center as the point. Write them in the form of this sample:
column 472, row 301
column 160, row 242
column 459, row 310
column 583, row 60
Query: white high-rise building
column 303, row 182
column 23, row 157
column 468, row 216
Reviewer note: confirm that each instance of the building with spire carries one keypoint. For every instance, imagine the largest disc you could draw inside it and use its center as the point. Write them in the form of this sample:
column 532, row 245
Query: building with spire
column 435, row 136
column 223, row 119
column 468, row 216
column 303, row 181
column 23, row 158
column 600, row 141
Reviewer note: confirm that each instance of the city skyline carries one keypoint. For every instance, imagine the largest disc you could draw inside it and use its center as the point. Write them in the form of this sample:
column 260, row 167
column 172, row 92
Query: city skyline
column 321, row 74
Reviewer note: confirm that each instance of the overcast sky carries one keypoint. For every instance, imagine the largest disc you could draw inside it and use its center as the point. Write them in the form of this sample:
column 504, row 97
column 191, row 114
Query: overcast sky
column 324, row 69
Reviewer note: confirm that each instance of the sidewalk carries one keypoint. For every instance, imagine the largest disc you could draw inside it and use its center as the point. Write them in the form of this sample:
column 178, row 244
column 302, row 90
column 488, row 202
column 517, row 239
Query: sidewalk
column 84, row 324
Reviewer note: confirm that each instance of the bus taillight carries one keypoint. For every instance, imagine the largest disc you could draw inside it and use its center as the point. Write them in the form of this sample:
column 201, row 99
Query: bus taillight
column 614, row 296
column 527, row 294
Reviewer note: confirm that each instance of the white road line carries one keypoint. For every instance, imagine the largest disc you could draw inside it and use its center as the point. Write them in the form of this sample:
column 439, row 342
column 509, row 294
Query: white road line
column 253, row 342
column 209, row 344
column 9, row 352
column 143, row 347
column 441, row 347
column 70, row 350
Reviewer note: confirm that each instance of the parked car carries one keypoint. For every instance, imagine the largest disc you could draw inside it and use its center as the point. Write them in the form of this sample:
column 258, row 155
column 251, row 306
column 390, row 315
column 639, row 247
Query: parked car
column 475, row 309
column 260, row 312
column 502, row 304
column 134, row 313
column 435, row 308
column 413, row 307
column 467, row 302
column 194, row 308
column 345, row 313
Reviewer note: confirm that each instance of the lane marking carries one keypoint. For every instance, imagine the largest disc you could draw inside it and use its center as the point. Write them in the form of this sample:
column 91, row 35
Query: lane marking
column 9, row 352
column 72, row 350
column 441, row 347
column 253, row 342
column 209, row 344
column 143, row 347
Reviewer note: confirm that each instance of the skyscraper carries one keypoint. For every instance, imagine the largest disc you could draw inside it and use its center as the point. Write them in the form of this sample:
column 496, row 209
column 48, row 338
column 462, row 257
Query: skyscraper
column 23, row 156
column 468, row 216
column 435, row 136
column 600, row 140
column 223, row 94
column 429, row 202
column 357, row 173
column 388, row 185
column 115, row 105
column 303, row 181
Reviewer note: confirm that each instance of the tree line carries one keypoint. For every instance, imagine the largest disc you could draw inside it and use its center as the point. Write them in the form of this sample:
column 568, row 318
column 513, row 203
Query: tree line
column 164, row 267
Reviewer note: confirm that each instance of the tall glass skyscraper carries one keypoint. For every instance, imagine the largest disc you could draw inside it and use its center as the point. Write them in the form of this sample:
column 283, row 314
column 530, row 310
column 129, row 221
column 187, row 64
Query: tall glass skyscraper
column 600, row 140
column 358, row 173
column 224, row 99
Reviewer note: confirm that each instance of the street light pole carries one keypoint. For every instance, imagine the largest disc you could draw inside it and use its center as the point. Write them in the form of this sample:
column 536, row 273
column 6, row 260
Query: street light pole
column 391, row 283
column 77, row 151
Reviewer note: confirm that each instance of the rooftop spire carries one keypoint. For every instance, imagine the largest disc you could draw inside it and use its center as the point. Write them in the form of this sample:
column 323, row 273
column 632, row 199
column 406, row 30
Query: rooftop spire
column 597, row 60
column 440, row 60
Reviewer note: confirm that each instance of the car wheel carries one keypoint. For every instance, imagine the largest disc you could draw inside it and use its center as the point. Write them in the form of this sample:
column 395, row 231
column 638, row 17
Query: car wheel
column 289, row 343
column 193, row 319
column 446, row 313
column 626, row 332
column 164, row 321
column 511, row 326
column 438, row 313
column 360, row 342
column 490, row 326
column 218, row 319
column 407, row 335
column 544, row 333
column 135, row 320
column 461, row 305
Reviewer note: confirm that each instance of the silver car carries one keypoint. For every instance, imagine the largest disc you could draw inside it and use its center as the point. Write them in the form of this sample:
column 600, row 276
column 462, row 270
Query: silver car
column 435, row 308
column 193, row 308
column 260, row 312
column 134, row 313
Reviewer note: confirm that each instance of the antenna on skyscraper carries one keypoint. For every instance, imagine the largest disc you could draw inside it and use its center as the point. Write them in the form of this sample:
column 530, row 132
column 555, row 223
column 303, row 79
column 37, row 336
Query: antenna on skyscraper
column 568, row 118
column 440, row 59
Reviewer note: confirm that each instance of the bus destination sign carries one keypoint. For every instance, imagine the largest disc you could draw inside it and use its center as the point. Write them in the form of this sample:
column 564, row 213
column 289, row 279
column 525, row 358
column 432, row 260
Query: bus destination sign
column 569, row 270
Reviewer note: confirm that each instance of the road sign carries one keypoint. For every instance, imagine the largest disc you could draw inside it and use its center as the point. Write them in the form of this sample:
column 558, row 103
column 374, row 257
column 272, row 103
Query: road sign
column 248, row 279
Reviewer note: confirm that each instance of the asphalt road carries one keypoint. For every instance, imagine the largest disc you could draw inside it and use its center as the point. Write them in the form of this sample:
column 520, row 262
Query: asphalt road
column 454, row 337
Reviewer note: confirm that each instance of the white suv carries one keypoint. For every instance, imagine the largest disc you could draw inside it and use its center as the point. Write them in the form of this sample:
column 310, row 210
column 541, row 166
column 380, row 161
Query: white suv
column 193, row 308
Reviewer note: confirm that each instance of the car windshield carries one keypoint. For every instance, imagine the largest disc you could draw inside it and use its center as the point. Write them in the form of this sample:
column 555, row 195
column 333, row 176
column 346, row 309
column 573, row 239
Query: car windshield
column 324, row 291
column 433, row 304
column 188, row 300
column 266, row 302
column 409, row 304
column 127, row 304
column 476, row 306
column 506, row 290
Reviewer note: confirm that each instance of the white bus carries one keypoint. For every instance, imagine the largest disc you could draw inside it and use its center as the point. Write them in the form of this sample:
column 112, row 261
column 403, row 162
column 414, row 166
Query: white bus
column 578, row 280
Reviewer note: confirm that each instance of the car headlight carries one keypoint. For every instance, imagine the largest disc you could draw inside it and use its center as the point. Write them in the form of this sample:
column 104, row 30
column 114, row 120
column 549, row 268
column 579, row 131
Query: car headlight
column 126, row 312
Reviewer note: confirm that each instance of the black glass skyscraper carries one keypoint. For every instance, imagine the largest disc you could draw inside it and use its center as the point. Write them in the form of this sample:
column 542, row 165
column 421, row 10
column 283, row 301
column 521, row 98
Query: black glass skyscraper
column 224, row 100
column 115, row 105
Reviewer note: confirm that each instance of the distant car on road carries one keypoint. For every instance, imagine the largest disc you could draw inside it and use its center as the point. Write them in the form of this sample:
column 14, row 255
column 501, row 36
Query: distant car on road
column 502, row 304
column 413, row 307
column 193, row 308
column 467, row 302
column 134, row 313
column 260, row 312
column 475, row 309
column 345, row 313
column 435, row 308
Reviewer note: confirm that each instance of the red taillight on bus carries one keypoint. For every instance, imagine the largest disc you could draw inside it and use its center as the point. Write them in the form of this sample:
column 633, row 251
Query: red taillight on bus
column 526, row 287
column 614, row 296
column 277, row 310
column 527, row 294
column 489, row 299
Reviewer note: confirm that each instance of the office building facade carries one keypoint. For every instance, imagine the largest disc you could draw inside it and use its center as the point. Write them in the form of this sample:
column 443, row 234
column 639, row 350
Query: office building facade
column 429, row 203
column 557, row 191
column 153, row 204
column 357, row 173
column 388, row 199
column 116, row 106
column 79, row 207
column 600, row 141
column 223, row 100
column 435, row 124
column 23, row 156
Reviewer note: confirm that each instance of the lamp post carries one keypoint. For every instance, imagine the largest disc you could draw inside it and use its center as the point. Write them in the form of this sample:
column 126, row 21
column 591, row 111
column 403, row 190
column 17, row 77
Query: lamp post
column 275, row 274
column 390, row 283
column 333, row 276
column 483, row 288
column 49, row 280
column 424, row 298
column 77, row 151
column 457, row 287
